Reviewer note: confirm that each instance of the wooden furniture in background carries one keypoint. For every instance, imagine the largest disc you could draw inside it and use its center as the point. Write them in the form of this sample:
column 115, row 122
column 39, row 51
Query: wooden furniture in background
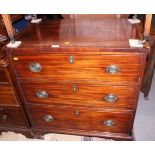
column 9, row 27
column 12, row 116
column 147, row 26
column 2, row 27
column 7, row 21
column 149, row 68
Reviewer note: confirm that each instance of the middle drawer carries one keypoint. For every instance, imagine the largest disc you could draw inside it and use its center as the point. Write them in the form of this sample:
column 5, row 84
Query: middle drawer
column 101, row 96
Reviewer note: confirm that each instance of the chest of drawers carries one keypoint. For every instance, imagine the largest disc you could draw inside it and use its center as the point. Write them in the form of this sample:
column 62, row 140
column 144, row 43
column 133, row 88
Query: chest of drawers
column 79, row 76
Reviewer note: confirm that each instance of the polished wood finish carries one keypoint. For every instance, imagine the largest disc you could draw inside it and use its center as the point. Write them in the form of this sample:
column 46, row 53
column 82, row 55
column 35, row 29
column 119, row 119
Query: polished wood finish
column 7, row 95
column 94, row 16
column 63, row 94
column 89, row 67
column 147, row 26
column 8, row 25
column 89, row 120
column 12, row 116
column 10, row 106
column 106, row 35
column 74, row 56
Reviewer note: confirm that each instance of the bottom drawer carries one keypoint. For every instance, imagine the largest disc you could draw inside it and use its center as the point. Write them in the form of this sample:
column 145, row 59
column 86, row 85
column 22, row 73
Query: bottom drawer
column 80, row 119
column 11, row 117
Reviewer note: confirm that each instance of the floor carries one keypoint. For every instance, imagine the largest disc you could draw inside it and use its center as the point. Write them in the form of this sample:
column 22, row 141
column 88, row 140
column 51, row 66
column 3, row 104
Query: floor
column 11, row 136
column 144, row 126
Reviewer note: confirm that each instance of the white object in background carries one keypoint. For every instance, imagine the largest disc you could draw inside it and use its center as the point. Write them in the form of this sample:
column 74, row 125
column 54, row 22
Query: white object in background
column 134, row 21
column 135, row 43
column 55, row 46
column 36, row 21
column 14, row 45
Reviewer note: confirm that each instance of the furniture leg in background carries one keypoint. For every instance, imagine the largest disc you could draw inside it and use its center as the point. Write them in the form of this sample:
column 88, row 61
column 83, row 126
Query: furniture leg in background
column 149, row 67
column 149, row 70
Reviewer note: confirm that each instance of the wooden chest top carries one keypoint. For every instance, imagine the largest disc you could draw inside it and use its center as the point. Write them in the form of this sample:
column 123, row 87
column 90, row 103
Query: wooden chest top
column 107, row 34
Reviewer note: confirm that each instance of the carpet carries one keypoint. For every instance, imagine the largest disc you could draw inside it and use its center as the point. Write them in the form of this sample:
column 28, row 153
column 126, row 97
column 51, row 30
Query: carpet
column 12, row 136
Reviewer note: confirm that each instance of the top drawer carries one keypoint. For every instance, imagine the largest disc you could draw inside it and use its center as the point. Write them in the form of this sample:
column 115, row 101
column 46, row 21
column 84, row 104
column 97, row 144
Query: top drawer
column 108, row 68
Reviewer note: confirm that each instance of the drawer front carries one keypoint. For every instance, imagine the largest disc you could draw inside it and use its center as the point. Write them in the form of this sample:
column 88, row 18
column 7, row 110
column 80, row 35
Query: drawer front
column 109, row 68
column 7, row 96
column 11, row 117
column 103, row 96
column 3, row 76
column 67, row 118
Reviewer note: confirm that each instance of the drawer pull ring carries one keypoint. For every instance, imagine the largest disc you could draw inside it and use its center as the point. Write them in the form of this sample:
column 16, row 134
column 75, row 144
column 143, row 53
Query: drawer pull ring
column 4, row 117
column 48, row 118
column 74, row 88
column 71, row 59
column 42, row 94
column 112, row 69
column 111, row 98
column 109, row 123
column 35, row 67
column 77, row 113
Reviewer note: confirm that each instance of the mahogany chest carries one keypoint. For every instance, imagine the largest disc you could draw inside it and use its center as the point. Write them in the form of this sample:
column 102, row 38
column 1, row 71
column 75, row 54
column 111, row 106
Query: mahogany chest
column 79, row 76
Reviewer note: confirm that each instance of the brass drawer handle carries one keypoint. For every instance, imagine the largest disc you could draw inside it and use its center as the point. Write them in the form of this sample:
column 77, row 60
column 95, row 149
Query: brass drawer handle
column 48, row 118
column 42, row 94
column 110, row 98
column 109, row 123
column 4, row 117
column 74, row 88
column 35, row 67
column 71, row 59
column 113, row 69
